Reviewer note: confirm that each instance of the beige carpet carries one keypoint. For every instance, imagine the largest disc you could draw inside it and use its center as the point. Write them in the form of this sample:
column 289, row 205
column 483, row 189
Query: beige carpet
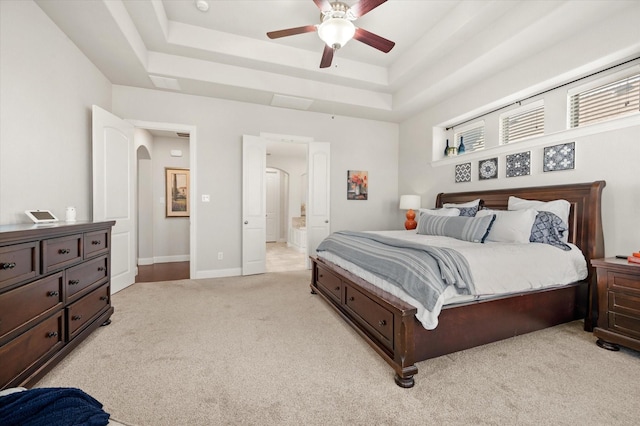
column 262, row 350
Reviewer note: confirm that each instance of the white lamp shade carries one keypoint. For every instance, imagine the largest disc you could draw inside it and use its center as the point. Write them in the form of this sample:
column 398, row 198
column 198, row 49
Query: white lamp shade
column 410, row 202
column 336, row 32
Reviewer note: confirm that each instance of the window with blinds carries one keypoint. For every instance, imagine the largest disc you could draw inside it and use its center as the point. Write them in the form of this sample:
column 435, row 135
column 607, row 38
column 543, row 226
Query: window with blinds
column 522, row 123
column 472, row 137
column 616, row 99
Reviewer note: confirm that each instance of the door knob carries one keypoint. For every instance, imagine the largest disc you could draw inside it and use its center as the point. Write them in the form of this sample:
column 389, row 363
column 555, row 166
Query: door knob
column 246, row 222
column 326, row 221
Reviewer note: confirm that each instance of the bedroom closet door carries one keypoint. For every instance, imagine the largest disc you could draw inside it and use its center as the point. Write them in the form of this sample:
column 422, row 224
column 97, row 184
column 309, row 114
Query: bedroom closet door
column 319, row 208
column 254, row 210
column 114, row 174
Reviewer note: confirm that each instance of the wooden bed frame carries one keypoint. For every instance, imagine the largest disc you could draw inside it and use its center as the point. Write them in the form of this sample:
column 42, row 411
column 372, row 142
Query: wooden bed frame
column 389, row 325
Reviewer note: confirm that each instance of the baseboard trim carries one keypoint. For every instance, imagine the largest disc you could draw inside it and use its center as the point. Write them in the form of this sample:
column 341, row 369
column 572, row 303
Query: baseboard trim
column 219, row 273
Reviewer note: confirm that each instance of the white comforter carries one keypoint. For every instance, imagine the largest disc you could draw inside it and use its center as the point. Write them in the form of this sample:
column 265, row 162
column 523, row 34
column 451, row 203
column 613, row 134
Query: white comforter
column 497, row 269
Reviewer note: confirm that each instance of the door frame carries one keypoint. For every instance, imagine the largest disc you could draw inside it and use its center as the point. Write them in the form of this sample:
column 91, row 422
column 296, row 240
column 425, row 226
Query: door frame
column 193, row 180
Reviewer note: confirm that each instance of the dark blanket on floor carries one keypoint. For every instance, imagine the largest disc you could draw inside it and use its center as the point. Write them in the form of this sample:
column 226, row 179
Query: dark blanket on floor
column 51, row 407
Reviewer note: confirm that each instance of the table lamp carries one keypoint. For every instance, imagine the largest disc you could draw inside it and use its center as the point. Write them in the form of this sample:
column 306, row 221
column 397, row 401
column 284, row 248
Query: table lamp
column 410, row 202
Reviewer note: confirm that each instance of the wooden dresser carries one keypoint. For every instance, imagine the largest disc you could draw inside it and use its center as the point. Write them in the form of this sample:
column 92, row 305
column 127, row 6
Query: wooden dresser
column 54, row 291
column 618, row 303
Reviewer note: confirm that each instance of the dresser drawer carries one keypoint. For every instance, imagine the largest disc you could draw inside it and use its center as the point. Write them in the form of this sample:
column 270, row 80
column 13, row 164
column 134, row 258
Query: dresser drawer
column 18, row 263
column 623, row 324
column 329, row 283
column 61, row 252
column 371, row 315
column 86, row 310
column 96, row 243
column 625, row 304
column 26, row 305
column 21, row 355
column 84, row 276
column 619, row 281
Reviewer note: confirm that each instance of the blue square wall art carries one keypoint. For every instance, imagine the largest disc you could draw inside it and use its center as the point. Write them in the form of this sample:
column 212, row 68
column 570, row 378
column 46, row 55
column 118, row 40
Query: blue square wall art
column 519, row 164
column 560, row 157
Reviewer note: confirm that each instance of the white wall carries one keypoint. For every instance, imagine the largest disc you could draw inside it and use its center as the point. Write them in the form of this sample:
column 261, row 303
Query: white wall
column 612, row 155
column 48, row 87
column 356, row 144
column 144, row 146
column 170, row 234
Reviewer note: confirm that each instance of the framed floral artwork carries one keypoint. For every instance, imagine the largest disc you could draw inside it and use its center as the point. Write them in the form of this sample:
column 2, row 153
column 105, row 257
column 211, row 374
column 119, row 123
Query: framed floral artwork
column 560, row 157
column 357, row 185
column 177, row 192
column 488, row 169
column 519, row 164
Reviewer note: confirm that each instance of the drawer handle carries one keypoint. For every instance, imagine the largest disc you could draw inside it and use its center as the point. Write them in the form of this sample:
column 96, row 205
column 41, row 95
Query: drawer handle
column 103, row 298
column 95, row 242
column 382, row 323
column 321, row 276
column 9, row 265
column 101, row 268
column 64, row 251
column 351, row 299
column 76, row 317
column 52, row 334
column 337, row 288
column 74, row 282
column 52, row 293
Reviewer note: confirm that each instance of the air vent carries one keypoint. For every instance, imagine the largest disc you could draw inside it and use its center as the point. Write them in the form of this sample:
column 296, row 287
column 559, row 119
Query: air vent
column 182, row 135
column 291, row 102
column 165, row 82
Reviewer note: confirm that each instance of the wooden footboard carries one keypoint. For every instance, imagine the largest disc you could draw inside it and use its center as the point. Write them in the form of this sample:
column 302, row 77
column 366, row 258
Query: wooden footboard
column 389, row 326
column 384, row 321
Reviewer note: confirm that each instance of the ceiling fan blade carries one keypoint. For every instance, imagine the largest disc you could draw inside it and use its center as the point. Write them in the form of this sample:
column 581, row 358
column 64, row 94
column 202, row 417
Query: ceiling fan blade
column 292, row 31
column 327, row 57
column 364, row 6
column 323, row 5
column 373, row 40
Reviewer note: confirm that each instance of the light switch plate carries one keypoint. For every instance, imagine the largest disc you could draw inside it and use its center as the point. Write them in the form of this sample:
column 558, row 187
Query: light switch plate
column 206, row 198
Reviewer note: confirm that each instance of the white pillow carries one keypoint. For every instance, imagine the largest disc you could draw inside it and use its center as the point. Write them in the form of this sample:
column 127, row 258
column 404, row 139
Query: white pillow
column 441, row 212
column 510, row 226
column 468, row 204
column 558, row 207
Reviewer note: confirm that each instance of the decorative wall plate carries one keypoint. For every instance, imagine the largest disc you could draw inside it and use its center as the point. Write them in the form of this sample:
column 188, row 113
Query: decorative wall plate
column 519, row 164
column 560, row 157
column 463, row 172
column 488, row 169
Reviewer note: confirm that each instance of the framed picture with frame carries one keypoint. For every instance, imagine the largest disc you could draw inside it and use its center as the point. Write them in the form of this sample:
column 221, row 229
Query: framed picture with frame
column 177, row 192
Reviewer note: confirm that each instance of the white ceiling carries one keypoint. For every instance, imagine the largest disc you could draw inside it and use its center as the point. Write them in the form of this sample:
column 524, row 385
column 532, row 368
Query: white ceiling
column 442, row 46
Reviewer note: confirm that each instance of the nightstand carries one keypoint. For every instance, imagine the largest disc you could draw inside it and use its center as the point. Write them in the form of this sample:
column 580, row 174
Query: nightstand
column 618, row 303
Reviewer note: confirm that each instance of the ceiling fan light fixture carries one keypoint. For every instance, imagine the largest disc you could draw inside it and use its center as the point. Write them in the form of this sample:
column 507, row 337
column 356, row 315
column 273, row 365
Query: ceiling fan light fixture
column 336, row 32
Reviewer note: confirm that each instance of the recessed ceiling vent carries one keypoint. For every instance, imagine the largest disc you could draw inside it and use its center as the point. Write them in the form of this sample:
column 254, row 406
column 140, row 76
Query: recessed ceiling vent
column 182, row 135
column 165, row 82
column 291, row 102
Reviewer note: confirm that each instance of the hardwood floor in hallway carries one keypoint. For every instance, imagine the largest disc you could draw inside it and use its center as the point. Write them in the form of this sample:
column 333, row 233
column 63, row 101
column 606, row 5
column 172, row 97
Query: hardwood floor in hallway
column 163, row 272
column 280, row 258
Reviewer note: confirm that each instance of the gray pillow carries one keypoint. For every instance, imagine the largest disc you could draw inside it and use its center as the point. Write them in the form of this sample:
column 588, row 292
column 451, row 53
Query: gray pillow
column 474, row 229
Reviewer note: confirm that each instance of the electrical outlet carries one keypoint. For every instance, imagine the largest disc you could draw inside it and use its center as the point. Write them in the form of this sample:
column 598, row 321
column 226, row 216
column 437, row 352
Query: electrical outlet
column 220, row 255
column 206, row 198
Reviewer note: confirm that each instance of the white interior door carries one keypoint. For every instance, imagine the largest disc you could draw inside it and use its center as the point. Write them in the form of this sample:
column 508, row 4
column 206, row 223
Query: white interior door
column 114, row 171
column 319, row 207
column 254, row 164
column 273, row 205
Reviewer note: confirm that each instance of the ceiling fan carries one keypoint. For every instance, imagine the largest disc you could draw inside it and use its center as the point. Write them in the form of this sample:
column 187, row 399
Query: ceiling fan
column 336, row 27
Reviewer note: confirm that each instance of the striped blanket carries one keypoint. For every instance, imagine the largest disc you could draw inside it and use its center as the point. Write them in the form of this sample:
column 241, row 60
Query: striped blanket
column 423, row 272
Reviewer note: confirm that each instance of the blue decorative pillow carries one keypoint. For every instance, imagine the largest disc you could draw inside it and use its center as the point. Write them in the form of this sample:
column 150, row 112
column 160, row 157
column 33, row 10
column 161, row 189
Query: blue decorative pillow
column 468, row 209
column 474, row 229
column 548, row 228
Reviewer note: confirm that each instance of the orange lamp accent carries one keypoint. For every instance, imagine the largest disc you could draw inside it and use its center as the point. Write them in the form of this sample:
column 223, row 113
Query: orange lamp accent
column 410, row 223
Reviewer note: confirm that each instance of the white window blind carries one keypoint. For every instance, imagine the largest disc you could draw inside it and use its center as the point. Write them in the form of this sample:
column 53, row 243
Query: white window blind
column 473, row 138
column 612, row 100
column 522, row 124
